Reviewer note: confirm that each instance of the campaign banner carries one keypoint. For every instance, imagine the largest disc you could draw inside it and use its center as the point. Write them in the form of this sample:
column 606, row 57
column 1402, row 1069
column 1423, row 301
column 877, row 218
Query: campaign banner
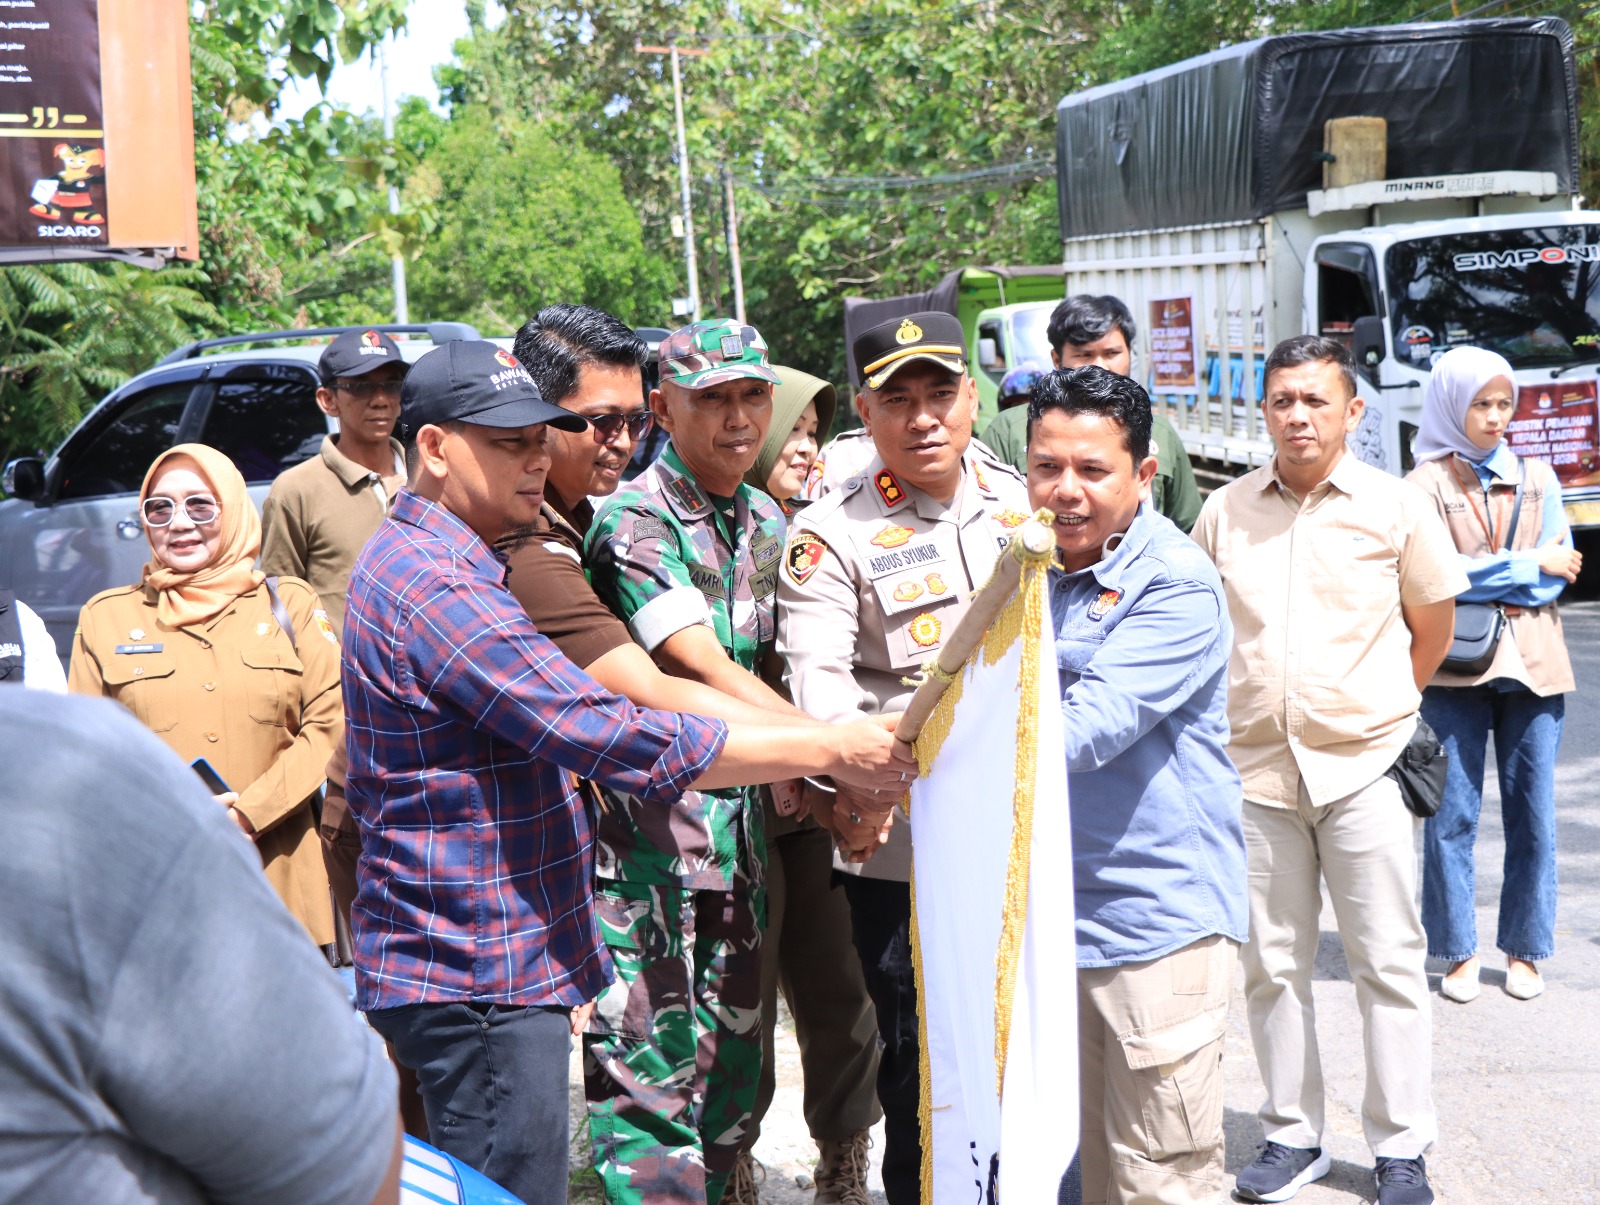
column 992, row 924
column 1556, row 422
column 52, row 140
column 1174, row 364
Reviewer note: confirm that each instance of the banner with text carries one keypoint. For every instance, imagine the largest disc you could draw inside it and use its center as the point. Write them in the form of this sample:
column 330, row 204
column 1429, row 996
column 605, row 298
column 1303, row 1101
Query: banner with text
column 1173, row 362
column 53, row 178
column 1556, row 422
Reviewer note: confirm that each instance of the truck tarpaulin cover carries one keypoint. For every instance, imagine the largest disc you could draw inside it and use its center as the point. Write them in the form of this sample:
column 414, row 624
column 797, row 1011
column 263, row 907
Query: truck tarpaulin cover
column 1237, row 134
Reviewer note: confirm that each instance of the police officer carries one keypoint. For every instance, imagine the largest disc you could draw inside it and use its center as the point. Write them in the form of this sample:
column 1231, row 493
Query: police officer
column 687, row 555
column 875, row 576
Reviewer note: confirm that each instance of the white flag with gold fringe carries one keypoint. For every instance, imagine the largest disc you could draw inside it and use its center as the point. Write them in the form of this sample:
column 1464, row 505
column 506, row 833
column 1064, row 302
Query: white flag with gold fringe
column 992, row 905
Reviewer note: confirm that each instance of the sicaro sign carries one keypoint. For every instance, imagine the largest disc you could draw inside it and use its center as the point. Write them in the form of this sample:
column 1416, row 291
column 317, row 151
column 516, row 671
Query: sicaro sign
column 96, row 131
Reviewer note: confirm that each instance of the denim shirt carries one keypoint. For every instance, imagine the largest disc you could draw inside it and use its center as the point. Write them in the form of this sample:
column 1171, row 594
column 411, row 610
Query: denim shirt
column 1142, row 645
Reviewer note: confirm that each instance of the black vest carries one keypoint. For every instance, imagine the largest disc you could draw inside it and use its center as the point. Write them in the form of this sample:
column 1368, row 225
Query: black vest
column 10, row 640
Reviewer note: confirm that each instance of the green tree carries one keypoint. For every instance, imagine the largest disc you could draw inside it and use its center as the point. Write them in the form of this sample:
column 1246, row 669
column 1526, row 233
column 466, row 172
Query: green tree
column 72, row 332
column 529, row 217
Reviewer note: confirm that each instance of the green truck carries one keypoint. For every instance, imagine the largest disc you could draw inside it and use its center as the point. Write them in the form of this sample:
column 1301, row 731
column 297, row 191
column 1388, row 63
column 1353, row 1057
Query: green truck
column 1004, row 312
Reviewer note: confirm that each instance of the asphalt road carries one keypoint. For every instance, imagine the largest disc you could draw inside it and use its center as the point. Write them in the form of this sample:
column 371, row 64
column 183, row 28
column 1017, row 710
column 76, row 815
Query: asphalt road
column 1517, row 1083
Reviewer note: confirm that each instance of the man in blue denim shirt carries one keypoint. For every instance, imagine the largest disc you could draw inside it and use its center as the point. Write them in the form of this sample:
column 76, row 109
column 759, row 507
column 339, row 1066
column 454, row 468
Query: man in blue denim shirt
column 1142, row 645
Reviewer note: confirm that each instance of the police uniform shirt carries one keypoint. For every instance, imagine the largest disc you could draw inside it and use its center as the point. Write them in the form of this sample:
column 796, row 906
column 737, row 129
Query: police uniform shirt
column 875, row 576
column 849, row 453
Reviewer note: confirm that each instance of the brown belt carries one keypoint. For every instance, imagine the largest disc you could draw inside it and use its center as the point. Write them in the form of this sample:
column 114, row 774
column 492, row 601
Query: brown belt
column 1513, row 611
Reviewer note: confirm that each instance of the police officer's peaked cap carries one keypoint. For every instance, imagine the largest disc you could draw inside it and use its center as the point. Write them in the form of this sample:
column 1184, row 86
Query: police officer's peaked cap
column 888, row 347
column 474, row 381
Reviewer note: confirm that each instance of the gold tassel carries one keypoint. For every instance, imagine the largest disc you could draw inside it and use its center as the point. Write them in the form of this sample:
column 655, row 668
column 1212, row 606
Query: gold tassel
column 924, row 1069
column 1018, row 862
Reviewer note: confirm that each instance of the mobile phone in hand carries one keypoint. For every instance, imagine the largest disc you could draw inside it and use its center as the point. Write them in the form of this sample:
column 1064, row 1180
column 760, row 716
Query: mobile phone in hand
column 208, row 775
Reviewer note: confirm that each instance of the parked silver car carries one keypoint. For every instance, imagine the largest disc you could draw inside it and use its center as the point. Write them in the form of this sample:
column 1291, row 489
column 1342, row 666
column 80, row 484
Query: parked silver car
column 70, row 527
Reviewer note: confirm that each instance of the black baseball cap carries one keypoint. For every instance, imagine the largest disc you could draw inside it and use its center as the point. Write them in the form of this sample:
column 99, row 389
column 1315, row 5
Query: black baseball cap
column 885, row 349
column 474, row 381
column 356, row 353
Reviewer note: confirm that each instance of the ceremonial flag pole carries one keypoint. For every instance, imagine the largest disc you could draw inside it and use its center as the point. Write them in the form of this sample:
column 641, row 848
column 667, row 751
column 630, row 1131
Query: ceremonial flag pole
column 993, row 941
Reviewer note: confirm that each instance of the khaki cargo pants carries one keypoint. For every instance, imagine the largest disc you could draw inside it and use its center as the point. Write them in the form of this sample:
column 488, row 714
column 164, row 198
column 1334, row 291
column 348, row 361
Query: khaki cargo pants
column 1150, row 1076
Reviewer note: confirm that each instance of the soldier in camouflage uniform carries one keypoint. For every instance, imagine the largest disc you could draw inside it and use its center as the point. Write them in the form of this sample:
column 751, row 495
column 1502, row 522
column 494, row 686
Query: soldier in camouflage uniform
column 688, row 556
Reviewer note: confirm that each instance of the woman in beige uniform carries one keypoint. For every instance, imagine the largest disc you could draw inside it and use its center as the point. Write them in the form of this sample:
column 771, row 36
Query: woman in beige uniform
column 221, row 665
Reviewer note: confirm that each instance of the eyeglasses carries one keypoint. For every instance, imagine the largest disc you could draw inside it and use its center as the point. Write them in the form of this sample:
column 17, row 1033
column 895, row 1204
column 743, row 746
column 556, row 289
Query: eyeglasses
column 364, row 391
column 158, row 512
column 608, row 426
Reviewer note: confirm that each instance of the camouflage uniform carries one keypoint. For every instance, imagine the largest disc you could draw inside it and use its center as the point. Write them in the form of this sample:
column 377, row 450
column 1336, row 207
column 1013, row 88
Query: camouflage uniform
column 673, row 1053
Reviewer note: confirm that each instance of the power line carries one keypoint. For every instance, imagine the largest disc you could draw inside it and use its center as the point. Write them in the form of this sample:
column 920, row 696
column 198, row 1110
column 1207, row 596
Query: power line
column 859, row 192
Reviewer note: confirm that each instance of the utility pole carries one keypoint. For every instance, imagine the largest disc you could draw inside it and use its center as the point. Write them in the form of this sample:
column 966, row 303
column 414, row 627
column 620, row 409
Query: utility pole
column 734, row 268
column 402, row 305
column 691, row 268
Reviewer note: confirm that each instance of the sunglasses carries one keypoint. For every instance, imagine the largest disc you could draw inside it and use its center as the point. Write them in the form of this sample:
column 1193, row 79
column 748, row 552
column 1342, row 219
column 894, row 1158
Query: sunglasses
column 159, row 512
column 608, row 426
column 364, row 391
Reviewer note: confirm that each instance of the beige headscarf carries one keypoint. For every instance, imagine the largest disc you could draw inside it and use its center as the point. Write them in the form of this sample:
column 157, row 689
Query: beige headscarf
column 188, row 598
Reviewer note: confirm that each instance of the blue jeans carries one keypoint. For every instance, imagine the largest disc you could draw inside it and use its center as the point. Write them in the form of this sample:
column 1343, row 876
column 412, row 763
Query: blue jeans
column 1527, row 733
column 494, row 1084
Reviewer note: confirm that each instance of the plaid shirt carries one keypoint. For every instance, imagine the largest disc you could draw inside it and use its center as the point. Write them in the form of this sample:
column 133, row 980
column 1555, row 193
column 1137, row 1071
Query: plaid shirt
column 465, row 728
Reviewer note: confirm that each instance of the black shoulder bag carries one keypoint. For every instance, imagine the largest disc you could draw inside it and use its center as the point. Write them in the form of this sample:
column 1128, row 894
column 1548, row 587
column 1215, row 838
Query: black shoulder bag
column 1479, row 626
column 1423, row 764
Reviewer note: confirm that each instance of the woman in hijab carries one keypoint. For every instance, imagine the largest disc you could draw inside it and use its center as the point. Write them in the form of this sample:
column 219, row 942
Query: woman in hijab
column 807, row 947
column 1506, row 517
column 802, row 413
column 225, row 665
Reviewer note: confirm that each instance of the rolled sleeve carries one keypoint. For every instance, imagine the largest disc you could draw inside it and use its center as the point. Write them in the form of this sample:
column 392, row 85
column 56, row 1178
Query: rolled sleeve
column 668, row 614
column 638, row 569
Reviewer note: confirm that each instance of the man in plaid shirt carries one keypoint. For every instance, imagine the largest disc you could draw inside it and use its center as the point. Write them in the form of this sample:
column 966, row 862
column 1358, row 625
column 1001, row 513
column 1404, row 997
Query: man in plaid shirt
column 476, row 945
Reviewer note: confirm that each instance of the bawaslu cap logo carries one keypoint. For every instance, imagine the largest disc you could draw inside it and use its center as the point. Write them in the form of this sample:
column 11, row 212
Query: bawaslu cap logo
column 506, row 358
column 372, row 345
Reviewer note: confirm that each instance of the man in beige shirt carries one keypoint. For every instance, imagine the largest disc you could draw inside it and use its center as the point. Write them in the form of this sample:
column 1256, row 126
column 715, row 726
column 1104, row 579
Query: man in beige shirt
column 322, row 512
column 1341, row 584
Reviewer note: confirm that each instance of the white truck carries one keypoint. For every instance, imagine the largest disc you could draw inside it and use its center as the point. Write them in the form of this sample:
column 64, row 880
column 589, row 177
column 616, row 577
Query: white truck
column 1195, row 194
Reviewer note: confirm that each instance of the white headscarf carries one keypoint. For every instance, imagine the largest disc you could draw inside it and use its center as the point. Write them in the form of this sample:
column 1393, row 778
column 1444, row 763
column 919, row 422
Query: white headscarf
column 1457, row 377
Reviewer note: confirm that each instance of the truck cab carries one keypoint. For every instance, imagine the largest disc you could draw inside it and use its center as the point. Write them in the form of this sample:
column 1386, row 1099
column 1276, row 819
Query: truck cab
column 1525, row 285
column 1006, row 337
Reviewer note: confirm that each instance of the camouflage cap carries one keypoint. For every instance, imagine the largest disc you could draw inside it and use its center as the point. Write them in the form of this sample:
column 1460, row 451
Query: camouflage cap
column 712, row 352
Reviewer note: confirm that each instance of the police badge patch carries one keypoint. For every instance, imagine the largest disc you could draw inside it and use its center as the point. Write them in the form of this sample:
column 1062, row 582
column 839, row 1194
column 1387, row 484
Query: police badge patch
column 804, row 554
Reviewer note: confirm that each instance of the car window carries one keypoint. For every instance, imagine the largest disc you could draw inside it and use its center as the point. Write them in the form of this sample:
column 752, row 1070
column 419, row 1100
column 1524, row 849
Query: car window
column 115, row 460
column 266, row 423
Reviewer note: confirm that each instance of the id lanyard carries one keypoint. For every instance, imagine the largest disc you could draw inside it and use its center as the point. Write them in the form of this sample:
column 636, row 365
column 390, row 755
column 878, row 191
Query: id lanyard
column 1485, row 517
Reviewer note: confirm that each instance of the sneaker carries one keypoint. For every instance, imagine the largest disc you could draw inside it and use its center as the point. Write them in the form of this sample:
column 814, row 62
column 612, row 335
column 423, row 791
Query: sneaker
column 842, row 1171
column 744, row 1184
column 1281, row 1171
column 1402, row 1182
